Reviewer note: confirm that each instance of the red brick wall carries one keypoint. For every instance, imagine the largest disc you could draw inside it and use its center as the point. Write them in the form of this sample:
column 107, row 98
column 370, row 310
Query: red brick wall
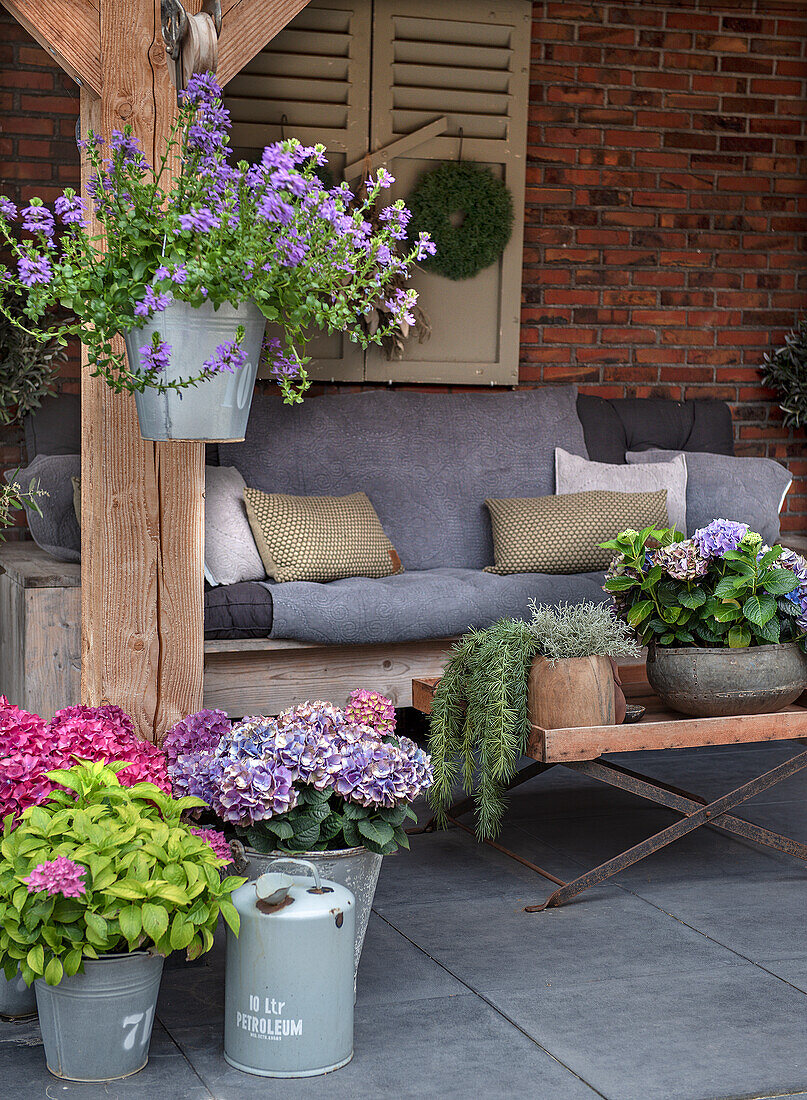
column 667, row 205
column 666, row 202
column 38, row 112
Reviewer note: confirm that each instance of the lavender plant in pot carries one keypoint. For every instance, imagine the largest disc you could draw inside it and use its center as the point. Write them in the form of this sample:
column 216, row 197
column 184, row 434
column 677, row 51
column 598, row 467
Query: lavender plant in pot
column 190, row 270
column 97, row 884
column 330, row 785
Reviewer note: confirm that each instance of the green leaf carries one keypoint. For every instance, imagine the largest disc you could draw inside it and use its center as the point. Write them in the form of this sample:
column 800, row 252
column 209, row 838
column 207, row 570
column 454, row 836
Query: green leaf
column 758, row 609
column 639, row 612
column 379, row 832
column 36, row 958
column 128, row 889
column 739, row 637
column 693, row 598
column 97, row 928
column 155, row 920
column 769, row 632
column 72, row 962
column 54, row 972
column 230, row 914
column 621, row 583
column 729, row 587
column 131, row 922
column 778, row 582
column 182, row 932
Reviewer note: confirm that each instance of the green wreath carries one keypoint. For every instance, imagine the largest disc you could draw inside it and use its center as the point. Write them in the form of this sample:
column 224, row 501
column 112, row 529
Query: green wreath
column 486, row 205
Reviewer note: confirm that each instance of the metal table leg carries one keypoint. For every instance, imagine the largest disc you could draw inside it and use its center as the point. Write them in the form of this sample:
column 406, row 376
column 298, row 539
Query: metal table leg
column 703, row 815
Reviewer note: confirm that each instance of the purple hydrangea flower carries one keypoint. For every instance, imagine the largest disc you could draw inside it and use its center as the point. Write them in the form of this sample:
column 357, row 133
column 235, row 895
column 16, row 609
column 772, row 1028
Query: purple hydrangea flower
column 681, row 560
column 719, row 537
column 58, row 876
column 34, row 269
column 155, row 357
column 198, row 732
column 217, row 841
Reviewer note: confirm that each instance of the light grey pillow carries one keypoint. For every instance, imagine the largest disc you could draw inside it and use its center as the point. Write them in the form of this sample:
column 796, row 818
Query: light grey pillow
column 574, row 474
column 751, row 490
column 56, row 531
column 230, row 551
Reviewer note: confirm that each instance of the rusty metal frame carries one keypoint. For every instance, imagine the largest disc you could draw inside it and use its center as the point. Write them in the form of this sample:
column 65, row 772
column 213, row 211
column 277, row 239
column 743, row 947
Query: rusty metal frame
column 696, row 813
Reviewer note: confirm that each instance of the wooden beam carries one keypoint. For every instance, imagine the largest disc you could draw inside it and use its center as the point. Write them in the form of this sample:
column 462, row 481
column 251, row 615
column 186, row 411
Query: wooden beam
column 70, row 30
column 142, row 503
column 246, row 27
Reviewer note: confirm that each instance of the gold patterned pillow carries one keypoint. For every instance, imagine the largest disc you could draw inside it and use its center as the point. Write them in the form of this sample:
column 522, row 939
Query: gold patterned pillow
column 319, row 538
column 560, row 534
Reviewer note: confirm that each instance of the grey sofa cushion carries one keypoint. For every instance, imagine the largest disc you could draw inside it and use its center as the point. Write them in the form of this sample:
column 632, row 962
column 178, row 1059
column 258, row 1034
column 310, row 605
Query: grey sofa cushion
column 435, row 603
column 751, row 490
column 614, row 426
column 426, row 461
column 56, row 530
column 55, row 427
column 231, row 555
column 238, row 611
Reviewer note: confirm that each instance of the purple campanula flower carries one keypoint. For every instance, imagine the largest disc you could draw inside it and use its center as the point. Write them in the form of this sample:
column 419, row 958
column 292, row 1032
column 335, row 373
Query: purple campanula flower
column 200, row 219
column 180, row 275
column 7, row 208
column 426, row 246
column 161, row 273
column 229, row 356
column 70, row 210
column 155, row 357
column 126, row 149
column 274, row 209
column 38, row 219
column 152, row 302
column 34, row 269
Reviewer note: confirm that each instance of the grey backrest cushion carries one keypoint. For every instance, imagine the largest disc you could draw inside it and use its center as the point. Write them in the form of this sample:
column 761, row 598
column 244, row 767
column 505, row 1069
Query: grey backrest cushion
column 614, row 426
column 56, row 530
column 426, row 461
column 751, row 490
column 578, row 475
column 231, row 555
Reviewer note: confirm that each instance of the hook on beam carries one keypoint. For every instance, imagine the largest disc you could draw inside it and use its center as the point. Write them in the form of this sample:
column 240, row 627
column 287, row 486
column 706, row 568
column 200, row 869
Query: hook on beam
column 191, row 41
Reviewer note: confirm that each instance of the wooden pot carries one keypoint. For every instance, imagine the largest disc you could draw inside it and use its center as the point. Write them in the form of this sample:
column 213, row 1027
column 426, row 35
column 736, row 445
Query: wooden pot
column 580, row 691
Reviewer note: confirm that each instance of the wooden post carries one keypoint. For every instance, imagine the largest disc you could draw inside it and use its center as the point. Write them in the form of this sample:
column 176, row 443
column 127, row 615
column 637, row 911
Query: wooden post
column 142, row 503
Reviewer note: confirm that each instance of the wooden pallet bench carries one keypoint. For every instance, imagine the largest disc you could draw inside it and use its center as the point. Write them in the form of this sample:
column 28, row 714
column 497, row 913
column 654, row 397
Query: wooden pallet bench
column 583, row 748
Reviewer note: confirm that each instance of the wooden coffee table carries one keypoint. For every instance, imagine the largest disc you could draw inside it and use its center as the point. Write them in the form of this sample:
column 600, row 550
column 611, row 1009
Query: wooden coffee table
column 582, row 748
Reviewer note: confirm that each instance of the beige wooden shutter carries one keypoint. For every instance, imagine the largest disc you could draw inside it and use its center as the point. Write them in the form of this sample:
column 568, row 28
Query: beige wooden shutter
column 316, row 73
column 469, row 62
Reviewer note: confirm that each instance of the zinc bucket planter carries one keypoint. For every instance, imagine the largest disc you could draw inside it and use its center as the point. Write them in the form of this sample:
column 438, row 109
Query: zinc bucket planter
column 96, row 1026
column 712, row 683
column 356, row 868
column 16, row 998
column 216, row 410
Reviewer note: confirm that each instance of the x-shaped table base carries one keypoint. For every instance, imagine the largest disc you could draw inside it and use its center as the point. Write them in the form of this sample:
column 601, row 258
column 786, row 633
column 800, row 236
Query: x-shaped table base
column 696, row 812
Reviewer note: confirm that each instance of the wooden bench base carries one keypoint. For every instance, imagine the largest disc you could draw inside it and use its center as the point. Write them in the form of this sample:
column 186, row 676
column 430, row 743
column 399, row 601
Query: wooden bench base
column 40, row 652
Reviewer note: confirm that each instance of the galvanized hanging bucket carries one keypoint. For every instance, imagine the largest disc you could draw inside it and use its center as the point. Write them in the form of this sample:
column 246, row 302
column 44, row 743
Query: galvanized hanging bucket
column 16, row 998
column 357, row 869
column 96, row 1026
column 217, row 409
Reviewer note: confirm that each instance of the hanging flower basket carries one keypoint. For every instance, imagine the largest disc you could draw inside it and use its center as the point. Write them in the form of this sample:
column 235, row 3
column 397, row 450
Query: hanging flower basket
column 190, row 267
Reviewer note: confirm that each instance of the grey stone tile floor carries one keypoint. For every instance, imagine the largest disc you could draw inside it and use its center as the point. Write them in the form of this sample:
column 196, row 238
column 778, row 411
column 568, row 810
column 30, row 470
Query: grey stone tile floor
column 685, row 978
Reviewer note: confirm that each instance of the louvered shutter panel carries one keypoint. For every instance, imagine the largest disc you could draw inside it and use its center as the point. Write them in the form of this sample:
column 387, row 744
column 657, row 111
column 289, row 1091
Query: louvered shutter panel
column 468, row 62
column 316, row 73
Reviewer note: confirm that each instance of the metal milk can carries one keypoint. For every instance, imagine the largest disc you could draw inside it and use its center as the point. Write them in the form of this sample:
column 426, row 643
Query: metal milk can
column 288, row 1001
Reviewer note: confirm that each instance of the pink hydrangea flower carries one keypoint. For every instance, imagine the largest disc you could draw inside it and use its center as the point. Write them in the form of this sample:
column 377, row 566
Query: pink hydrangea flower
column 30, row 747
column 58, row 876
column 217, row 841
column 369, row 708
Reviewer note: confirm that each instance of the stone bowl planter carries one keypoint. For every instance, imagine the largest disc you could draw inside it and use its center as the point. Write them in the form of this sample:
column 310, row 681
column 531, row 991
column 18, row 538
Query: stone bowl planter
column 711, row 683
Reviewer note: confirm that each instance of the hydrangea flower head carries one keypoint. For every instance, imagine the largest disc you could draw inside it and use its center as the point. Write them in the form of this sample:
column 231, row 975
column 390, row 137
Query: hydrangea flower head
column 719, row 537
column 200, row 732
column 681, row 560
column 217, row 841
column 369, row 708
column 58, row 876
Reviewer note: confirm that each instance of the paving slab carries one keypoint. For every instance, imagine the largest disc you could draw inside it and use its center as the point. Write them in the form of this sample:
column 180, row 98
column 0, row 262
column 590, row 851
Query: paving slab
column 722, row 1033
column 449, row 1047
column 24, row 1075
column 494, row 944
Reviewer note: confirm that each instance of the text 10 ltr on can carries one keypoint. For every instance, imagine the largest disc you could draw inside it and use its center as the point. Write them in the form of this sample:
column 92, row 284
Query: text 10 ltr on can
column 288, row 1008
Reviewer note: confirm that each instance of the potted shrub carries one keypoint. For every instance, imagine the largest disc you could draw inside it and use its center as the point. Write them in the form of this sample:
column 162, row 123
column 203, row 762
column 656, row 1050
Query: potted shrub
column 97, row 885
column 190, row 271
column 724, row 617
column 574, row 680
column 333, row 786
